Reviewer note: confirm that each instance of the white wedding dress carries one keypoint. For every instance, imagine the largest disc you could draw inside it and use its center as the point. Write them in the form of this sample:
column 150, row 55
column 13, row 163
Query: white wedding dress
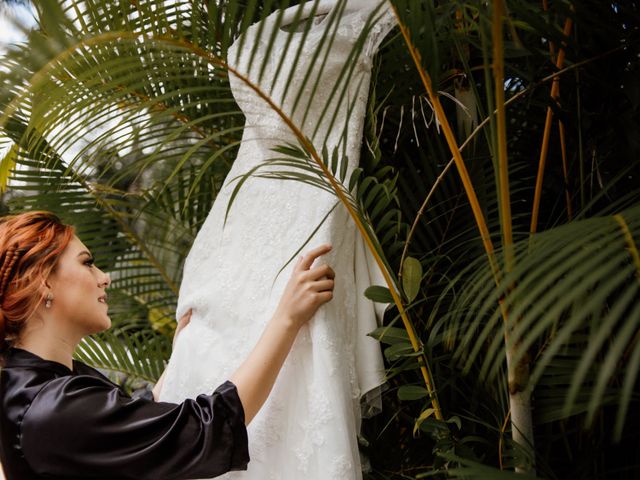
column 308, row 427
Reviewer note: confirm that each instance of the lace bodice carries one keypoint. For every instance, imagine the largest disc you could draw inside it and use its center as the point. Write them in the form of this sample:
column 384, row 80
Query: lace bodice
column 318, row 77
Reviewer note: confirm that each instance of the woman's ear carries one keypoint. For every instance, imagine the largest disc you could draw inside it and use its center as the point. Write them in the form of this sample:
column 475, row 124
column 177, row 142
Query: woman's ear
column 45, row 286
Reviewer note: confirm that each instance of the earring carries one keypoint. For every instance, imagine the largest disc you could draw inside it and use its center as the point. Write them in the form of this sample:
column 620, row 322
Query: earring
column 48, row 300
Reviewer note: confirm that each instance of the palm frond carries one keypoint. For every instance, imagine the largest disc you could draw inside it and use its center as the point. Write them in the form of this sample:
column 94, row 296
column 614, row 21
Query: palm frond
column 575, row 289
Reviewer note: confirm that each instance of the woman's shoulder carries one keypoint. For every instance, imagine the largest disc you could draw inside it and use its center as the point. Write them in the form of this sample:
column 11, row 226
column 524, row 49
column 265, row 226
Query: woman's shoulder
column 27, row 381
column 69, row 397
column 69, row 410
column 79, row 380
column 82, row 369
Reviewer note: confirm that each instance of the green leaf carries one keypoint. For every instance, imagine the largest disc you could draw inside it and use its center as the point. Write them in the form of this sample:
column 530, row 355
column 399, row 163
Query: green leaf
column 8, row 163
column 412, row 392
column 390, row 335
column 423, row 416
column 399, row 350
column 456, row 421
column 379, row 294
column 411, row 277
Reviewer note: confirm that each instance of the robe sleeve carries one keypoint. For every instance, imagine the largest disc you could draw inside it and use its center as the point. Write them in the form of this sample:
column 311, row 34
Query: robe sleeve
column 86, row 427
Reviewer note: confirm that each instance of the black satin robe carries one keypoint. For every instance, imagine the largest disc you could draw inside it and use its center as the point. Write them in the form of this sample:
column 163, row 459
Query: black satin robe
column 57, row 423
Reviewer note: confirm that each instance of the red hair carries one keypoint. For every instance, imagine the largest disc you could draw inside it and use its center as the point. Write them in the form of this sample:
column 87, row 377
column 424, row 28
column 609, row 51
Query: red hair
column 30, row 245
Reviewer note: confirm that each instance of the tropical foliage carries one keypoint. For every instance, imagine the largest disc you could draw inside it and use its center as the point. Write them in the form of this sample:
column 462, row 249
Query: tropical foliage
column 498, row 186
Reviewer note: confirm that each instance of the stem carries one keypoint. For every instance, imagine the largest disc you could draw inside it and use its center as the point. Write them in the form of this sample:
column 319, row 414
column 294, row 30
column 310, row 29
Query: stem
column 555, row 89
column 580, row 142
column 501, row 439
column 423, row 207
column 480, row 126
column 565, row 170
column 503, row 161
column 519, row 394
column 563, row 144
column 453, row 147
column 632, row 248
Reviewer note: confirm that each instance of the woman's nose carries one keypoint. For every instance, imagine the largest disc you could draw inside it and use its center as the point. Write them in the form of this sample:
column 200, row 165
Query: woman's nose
column 107, row 280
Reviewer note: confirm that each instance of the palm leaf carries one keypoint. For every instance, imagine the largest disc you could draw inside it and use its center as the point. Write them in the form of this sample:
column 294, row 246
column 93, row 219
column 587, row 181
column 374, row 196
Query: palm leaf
column 581, row 300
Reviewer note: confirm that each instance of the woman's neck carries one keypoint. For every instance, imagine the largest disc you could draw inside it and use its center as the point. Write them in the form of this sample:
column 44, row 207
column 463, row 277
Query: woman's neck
column 54, row 349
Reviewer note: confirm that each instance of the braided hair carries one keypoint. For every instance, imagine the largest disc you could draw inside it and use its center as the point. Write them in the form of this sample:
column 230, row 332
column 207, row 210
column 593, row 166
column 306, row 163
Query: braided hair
column 30, row 245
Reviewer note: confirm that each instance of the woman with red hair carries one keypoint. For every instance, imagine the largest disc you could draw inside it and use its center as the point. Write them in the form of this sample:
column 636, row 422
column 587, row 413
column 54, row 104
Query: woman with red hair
column 60, row 418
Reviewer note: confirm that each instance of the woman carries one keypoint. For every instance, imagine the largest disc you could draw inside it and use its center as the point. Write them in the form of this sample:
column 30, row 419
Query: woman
column 60, row 418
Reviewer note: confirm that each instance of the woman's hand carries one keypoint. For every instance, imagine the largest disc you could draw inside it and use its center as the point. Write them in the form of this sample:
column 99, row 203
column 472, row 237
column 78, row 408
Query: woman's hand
column 307, row 289
column 183, row 322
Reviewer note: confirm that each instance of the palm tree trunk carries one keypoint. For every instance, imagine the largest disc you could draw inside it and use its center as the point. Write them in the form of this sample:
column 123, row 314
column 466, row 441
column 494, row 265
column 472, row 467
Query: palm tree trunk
column 519, row 394
column 520, row 410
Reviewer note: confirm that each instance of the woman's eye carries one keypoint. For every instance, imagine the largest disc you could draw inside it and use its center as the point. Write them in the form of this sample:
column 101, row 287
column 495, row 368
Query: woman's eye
column 90, row 262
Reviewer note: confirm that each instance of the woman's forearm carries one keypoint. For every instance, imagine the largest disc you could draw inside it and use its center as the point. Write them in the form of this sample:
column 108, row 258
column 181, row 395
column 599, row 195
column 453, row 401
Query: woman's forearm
column 257, row 374
column 254, row 379
column 307, row 289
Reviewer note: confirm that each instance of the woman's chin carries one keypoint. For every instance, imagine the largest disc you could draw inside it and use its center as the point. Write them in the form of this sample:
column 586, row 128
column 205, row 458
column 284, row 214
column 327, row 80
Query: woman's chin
column 105, row 324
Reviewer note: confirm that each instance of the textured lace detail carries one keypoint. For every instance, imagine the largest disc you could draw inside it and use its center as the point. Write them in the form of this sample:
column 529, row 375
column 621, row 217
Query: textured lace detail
column 308, row 427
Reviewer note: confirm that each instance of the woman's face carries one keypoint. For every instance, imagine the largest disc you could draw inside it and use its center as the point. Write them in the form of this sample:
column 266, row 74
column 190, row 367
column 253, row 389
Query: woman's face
column 78, row 288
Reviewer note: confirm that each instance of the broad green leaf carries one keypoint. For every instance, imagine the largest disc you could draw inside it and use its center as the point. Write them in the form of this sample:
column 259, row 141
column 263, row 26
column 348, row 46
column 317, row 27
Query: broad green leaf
column 412, row 392
column 378, row 293
column 390, row 335
column 398, row 350
column 423, row 416
column 411, row 277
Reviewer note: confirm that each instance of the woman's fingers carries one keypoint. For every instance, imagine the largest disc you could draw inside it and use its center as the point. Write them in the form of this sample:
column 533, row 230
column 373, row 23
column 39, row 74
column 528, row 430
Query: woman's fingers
column 308, row 288
column 307, row 260
column 324, row 297
column 323, row 285
column 321, row 271
column 182, row 322
column 186, row 317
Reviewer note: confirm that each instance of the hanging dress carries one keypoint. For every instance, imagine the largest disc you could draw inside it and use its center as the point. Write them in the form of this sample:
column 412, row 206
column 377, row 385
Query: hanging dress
column 308, row 427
